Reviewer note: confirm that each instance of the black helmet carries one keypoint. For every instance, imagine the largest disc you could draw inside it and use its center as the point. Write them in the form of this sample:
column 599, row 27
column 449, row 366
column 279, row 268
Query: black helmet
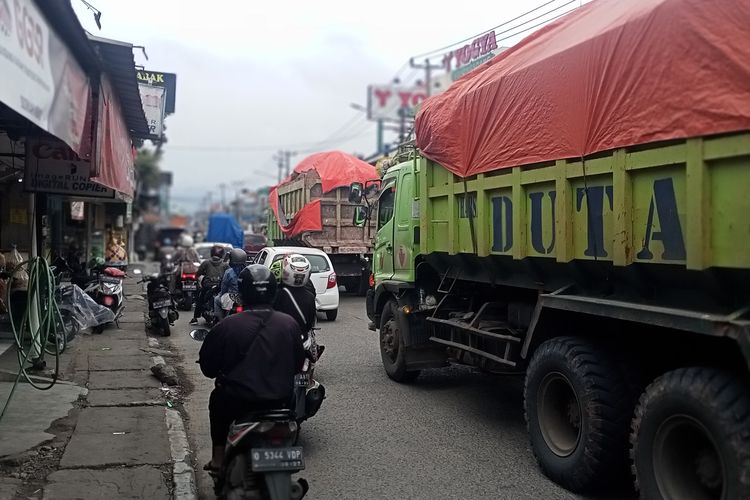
column 237, row 256
column 257, row 285
column 217, row 252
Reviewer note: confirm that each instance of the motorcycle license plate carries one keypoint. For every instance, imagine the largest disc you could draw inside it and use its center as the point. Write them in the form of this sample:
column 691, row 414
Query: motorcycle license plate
column 110, row 279
column 276, row 459
column 162, row 303
column 302, row 380
column 189, row 285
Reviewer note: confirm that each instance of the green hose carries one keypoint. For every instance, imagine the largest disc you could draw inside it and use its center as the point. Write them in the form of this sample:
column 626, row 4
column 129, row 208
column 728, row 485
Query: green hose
column 43, row 315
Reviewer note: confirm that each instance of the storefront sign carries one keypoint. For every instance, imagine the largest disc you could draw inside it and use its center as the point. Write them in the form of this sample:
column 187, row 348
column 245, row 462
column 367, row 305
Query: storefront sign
column 168, row 81
column 389, row 102
column 41, row 79
column 54, row 168
column 153, row 99
column 481, row 47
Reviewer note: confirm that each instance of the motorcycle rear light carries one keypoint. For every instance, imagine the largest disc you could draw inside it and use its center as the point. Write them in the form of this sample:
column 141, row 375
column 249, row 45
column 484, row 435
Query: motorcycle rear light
column 331, row 281
column 239, row 309
column 108, row 300
column 371, row 280
column 188, row 276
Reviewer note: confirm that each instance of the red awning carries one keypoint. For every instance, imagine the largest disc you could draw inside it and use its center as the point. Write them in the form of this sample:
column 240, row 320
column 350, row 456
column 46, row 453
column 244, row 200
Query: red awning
column 114, row 151
column 610, row 74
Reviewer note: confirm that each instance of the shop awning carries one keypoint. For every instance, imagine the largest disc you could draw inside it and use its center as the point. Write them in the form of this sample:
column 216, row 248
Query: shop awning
column 119, row 64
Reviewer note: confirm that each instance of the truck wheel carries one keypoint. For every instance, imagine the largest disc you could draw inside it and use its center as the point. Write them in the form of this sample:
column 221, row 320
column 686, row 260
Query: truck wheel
column 690, row 436
column 363, row 286
column 578, row 404
column 392, row 347
column 332, row 314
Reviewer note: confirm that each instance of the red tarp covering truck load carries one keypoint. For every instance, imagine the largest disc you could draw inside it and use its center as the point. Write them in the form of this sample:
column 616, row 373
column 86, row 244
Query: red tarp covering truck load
column 611, row 74
column 335, row 169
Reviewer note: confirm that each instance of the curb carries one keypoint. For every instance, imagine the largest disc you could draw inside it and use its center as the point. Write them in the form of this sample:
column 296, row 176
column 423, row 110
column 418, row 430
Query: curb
column 183, row 476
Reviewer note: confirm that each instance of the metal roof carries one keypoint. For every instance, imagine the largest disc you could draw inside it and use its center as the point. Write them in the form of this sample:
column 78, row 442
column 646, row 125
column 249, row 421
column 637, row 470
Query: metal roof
column 118, row 62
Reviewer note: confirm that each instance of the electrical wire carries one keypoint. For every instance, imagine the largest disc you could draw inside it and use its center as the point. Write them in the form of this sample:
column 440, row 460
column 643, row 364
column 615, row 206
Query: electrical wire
column 447, row 47
column 546, row 21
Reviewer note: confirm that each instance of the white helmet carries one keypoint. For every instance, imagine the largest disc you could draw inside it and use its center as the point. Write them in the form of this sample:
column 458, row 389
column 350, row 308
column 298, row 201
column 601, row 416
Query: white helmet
column 186, row 240
column 295, row 270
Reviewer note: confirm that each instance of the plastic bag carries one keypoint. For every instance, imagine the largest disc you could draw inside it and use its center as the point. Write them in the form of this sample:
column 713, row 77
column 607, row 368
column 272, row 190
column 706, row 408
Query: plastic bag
column 20, row 279
column 84, row 310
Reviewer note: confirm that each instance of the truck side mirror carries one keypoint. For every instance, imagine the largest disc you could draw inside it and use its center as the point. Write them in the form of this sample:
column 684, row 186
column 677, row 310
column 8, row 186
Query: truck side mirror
column 360, row 216
column 355, row 192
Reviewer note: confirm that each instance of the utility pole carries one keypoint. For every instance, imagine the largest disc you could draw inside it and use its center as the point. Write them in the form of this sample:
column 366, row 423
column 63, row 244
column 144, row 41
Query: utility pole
column 223, row 188
column 427, row 67
column 279, row 157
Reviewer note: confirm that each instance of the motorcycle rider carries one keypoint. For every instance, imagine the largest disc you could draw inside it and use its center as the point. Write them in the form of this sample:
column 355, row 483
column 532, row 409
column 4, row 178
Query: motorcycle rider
column 224, row 300
column 211, row 271
column 185, row 251
column 294, row 296
column 253, row 356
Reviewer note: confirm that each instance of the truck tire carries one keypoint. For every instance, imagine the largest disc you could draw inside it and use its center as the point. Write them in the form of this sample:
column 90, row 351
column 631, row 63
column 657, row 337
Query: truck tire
column 690, row 436
column 578, row 404
column 392, row 347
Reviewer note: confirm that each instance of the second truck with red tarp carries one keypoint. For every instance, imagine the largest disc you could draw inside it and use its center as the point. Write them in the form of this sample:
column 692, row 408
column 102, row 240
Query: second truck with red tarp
column 310, row 208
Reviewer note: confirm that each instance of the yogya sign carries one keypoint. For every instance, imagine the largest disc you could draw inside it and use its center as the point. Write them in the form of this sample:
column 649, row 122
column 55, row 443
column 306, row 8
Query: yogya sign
column 460, row 61
column 390, row 102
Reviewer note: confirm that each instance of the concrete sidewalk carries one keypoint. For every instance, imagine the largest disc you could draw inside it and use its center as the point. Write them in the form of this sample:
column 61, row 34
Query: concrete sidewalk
column 125, row 440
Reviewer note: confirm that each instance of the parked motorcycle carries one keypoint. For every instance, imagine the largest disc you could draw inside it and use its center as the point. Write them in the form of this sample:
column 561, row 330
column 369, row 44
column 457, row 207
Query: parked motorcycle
column 161, row 308
column 106, row 289
column 260, row 456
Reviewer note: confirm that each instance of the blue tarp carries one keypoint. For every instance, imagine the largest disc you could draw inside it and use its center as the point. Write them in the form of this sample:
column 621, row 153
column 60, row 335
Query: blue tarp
column 223, row 228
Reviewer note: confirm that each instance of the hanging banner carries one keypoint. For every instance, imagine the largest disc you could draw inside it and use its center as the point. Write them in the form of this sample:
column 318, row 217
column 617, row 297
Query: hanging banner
column 167, row 81
column 153, row 99
column 41, row 79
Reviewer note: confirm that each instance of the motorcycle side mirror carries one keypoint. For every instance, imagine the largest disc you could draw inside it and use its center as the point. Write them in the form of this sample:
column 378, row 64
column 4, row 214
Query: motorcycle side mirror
column 359, row 219
column 199, row 334
column 355, row 192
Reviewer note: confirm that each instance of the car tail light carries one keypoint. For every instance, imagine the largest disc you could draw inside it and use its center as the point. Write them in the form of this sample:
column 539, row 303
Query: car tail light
column 331, row 281
column 108, row 300
column 188, row 276
column 371, row 280
column 239, row 309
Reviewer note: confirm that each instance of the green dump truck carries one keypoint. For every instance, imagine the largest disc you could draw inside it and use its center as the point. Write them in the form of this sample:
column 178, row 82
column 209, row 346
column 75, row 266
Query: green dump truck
column 619, row 285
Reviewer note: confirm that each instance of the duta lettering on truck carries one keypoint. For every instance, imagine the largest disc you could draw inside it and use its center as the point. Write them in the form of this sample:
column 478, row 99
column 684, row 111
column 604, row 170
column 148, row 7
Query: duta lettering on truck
column 576, row 212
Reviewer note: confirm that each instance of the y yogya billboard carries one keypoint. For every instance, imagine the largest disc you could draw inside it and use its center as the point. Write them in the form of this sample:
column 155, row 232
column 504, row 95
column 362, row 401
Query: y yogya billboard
column 389, row 102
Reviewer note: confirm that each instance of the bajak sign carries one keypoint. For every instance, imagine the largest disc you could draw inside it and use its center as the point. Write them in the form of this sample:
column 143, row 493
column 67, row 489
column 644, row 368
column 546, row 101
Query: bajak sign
column 55, row 168
column 41, row 80
column 389, row 102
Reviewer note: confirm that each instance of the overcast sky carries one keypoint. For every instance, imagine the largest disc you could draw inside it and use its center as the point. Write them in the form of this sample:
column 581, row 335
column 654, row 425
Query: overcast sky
column 282, row 73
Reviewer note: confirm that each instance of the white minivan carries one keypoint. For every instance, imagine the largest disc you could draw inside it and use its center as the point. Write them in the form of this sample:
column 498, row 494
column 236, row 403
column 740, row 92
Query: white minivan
column 322, row 275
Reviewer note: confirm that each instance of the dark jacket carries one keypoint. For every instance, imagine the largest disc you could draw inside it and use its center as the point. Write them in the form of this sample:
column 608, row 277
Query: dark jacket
column 213, row 270
column 306, row 302
column 254, row 355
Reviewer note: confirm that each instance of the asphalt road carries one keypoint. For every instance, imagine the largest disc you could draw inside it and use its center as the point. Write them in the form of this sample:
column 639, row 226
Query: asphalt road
column 455, row 433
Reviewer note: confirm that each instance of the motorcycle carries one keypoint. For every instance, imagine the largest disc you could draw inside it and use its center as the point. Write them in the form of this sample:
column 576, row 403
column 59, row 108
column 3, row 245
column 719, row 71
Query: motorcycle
column 308, row 393
column 162, row 312
column 106, row 289
column 207, row 299
column 185, row 285
column 260, row 456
